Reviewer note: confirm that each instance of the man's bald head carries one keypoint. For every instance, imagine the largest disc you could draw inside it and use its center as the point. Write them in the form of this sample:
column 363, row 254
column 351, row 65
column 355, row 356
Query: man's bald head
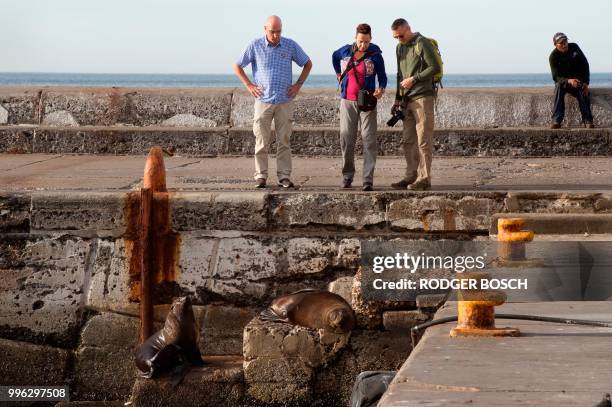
column 273, row 29
column 274, row 21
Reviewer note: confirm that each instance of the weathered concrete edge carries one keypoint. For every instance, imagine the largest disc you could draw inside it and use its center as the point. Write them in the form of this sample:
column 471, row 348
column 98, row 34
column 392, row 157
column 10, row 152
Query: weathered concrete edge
column 108, row 214
column 557, row 224
column 311, row 140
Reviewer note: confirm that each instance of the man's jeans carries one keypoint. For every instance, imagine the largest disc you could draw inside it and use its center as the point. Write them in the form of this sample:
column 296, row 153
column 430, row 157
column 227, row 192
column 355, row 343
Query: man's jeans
column 559, row 103
column 350, row 118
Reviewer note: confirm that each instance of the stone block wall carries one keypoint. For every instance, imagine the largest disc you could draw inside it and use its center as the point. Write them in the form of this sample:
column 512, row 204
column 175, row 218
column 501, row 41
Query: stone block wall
column 219, row 107
column 65, row 262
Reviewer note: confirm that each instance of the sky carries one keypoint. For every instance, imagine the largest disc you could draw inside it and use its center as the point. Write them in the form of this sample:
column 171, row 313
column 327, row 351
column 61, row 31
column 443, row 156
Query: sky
column 190, row 36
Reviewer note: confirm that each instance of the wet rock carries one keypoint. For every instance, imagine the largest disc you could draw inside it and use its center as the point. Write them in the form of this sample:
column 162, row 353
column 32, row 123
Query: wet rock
column 367, row 350
column 220, row 382
column 280, row 359
column 282, row 340
column 403, row 321
column 221, row 329
column 26, row 364
column 104, row 360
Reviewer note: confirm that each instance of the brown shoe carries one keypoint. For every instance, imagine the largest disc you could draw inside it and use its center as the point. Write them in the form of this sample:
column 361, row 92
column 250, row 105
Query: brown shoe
column 286, row 183
column 403, row 184
column 260, row 183
column 420, row 186
column 589, row 125
column 555, row 126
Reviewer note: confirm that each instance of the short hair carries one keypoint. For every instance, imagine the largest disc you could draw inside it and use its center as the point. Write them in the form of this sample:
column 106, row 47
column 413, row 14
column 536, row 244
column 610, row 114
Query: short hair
column 364, row 28
column 400, row 22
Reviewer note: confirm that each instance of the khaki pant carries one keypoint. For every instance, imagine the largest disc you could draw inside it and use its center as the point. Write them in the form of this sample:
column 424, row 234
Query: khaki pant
column 350, row 117
column 262, row 128
column 417, row 139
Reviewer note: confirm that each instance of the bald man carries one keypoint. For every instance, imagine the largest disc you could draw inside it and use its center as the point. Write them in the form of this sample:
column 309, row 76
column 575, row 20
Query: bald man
column 271, row 59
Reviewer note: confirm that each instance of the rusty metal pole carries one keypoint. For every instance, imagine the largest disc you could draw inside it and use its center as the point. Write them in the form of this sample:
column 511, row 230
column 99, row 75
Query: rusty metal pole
column 155, row 171
column 146, row 304
column 154, row 181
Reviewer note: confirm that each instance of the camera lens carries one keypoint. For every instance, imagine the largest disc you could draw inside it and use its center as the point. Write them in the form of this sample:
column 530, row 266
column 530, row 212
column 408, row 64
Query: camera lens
column 393, row 120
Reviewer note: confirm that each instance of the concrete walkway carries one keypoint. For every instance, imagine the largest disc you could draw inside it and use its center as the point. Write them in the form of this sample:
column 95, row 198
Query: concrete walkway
column 549, row 365
column 31, row 172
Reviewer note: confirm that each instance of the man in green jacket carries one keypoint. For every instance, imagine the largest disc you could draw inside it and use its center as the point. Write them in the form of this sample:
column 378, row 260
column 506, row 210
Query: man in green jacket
column 416, row 67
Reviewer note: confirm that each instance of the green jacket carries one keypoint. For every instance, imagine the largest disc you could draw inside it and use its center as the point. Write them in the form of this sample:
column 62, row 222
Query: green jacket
column 422, row 66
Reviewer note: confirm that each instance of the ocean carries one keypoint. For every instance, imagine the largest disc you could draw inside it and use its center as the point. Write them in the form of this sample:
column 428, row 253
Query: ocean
column 228, row 80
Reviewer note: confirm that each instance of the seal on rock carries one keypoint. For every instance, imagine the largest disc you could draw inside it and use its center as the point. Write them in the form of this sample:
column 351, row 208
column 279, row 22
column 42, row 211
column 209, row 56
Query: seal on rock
column 174, row 346
column 315, row 309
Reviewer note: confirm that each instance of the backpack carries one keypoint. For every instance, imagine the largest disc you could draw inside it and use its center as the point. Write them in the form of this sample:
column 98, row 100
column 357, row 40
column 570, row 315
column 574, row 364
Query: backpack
column 437, row 79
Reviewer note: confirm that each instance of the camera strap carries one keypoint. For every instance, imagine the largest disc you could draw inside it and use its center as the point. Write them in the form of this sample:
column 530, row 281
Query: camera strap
column 352, row 62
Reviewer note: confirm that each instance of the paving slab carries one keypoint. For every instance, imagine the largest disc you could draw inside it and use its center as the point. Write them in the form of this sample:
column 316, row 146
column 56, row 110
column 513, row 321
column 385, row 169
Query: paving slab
column 32, row 172
column 548, row 365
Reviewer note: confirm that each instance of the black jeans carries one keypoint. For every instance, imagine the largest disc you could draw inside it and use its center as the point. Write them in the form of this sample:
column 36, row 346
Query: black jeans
column 559, row 104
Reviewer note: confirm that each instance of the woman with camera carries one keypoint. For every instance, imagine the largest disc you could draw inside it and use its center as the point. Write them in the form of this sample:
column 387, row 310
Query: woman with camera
column 357, row 67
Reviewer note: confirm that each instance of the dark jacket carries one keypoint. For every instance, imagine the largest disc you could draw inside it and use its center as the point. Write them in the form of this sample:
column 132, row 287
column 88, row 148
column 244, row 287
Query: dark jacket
column 374, row 64
column 417, row 59
column 571, row 64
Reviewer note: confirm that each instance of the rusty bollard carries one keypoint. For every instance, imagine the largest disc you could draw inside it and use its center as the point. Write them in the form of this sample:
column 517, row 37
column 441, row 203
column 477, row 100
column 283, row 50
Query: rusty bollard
column 476, row 310
column 511, row 239
column 154, row 182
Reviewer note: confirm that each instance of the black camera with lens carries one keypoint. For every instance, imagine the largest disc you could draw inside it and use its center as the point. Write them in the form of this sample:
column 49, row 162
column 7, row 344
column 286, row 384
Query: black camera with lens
column 398, row 115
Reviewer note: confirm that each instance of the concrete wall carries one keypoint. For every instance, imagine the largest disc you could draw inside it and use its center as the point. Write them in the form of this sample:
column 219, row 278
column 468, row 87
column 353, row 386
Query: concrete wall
column 65, row 265
column 312, row 141
column 64, row 253
column 207, row 107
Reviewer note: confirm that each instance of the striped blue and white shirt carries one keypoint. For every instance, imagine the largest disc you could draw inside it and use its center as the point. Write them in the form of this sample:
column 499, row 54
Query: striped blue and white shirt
column 271, row 66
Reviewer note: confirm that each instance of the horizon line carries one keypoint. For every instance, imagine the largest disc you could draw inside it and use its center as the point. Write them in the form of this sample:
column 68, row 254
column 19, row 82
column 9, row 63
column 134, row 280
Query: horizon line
column 232, row 74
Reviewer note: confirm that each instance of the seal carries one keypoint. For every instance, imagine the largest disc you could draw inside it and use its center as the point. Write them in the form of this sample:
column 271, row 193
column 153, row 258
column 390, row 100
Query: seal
column 315, row 309
column 174, row 346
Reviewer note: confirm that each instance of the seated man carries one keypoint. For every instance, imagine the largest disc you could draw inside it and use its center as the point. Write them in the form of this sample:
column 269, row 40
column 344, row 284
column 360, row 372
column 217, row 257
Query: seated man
column 570, row 71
